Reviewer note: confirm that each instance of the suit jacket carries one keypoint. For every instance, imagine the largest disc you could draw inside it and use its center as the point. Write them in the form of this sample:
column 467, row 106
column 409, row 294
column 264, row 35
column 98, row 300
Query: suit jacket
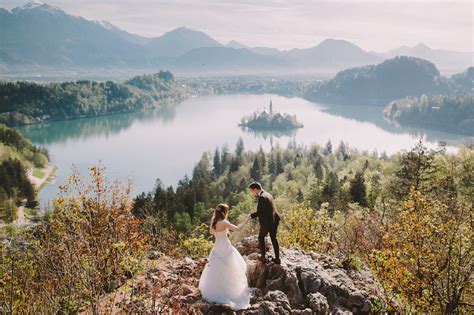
column 266, row 212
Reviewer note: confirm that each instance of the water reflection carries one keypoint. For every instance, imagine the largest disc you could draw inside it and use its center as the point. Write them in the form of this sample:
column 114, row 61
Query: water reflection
column 269, row 134
column 374, row 114
column 62, row 131
column 167, row 143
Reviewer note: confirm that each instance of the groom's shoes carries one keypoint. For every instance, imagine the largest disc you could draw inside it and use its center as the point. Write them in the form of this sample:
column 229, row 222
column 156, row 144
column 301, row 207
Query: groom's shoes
column 265, row 261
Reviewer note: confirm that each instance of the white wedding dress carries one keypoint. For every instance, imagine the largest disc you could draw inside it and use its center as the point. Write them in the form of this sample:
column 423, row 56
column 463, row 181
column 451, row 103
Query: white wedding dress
column 223, row 280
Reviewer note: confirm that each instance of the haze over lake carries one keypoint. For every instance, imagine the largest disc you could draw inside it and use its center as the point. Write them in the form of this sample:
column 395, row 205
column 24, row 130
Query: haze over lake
column 166, row 144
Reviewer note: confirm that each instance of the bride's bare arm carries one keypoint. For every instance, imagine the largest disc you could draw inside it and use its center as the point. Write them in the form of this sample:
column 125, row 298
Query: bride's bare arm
column 239, row 227
column 211, row 229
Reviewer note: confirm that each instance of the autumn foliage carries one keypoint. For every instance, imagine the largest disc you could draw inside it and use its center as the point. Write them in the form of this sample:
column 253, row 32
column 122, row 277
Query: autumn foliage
column 88, row 245
column 427, row 254
column 407, row 217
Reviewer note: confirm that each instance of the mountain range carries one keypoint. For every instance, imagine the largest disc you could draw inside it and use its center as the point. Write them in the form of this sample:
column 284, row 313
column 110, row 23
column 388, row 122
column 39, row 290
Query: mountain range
column 40, row 36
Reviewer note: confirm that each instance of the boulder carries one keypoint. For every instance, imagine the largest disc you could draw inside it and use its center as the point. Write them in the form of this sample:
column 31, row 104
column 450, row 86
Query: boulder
column 308, row 280
column 318, row 303
column 303, row 284
column 274, row 302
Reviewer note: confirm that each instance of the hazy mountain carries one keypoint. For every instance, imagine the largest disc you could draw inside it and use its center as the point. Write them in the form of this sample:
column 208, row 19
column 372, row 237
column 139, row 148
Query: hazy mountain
column 41, row 34
column 377, row 84
column 266, row 51
column 236, row 45
column 37, row 36
column 446, row 60
column 223, row 60
column 136, row 39
column 178, row 42
column 463, row 82
column 332, row 53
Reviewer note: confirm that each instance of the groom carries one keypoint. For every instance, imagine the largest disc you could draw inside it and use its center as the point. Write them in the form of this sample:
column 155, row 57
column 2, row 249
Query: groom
column 268, row 219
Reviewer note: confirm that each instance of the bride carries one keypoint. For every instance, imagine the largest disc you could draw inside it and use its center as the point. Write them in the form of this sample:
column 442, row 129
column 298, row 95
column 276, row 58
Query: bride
column 223, row 280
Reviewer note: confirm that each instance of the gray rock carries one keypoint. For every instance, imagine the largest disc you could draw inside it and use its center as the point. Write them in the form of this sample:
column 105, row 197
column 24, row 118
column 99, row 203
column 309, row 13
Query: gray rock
column 189, row 263
column 154, row 254
column 318, row 303
column 306, row 311
column 302, row 280
column 301, row 274
column 216, row 309
column 340, row 310
column 274, row 302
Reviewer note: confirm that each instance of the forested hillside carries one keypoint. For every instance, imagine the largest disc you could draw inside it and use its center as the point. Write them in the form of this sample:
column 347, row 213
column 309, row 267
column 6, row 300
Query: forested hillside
column 407, row 217
column 448, row 113
column 27, row 102
column 378, row 84
column 16, row 155
column 344, row 202
column 464, row 82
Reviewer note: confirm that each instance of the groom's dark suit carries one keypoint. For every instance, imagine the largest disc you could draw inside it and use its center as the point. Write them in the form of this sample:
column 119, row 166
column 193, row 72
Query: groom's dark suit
column 268, row 218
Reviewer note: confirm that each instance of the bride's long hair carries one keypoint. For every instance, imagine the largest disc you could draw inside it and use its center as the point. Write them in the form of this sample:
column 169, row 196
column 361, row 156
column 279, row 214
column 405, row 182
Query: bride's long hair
column 220, row 213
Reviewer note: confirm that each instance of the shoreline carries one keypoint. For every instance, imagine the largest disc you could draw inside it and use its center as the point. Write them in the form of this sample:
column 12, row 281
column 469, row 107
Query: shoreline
column 39, row 183
column 92, row 116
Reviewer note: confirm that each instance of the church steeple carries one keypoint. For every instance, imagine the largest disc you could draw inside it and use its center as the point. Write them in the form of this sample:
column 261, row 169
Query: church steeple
column 271, row 107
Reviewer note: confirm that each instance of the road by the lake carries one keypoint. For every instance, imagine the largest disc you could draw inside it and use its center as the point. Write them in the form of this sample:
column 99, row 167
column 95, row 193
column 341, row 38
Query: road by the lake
column 37, row 182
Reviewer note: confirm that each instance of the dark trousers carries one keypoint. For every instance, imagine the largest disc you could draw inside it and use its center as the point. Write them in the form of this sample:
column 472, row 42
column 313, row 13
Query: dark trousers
column 261, row 240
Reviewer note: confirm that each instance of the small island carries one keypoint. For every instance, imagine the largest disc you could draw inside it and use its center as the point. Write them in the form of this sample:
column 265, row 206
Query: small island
column 270, row 121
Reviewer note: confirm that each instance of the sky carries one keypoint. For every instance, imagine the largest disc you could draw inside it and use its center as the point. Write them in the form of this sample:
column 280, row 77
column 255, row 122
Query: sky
column 374, row 25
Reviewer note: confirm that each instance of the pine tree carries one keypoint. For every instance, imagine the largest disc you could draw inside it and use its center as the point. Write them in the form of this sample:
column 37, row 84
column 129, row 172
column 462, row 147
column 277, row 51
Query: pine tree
column 217, row 164
column 271, row 165
column 239, row 148
column 234, row 164
column 342, row 151
column 318, row 169
column 261, row 156
column 224, row 158
column 256, row 171
column 358, row 190
column 328, row 148
column 278, row 164
column 416, row 168
column 374, row 190
column 202, row 179
column 314, row 196
column 330, row 188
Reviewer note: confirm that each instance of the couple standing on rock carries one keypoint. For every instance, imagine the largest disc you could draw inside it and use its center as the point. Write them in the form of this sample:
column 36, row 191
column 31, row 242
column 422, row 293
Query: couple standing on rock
column 223, row 279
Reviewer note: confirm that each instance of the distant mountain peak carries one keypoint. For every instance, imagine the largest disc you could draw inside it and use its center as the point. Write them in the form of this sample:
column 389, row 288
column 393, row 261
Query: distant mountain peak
column 37, row 5
column 331, row 42
column 179, row 41
column 105, row 24
column 184, row 32
column 421, row 46
column 182, row 29
column 33, row 4
column 235, row 44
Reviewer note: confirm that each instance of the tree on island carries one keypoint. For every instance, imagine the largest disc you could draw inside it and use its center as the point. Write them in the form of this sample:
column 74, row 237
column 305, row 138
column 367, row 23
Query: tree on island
column 270, row 120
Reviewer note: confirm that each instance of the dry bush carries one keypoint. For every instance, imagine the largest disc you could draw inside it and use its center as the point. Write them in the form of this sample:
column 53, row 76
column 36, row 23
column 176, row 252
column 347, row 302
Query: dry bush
column 90, row 244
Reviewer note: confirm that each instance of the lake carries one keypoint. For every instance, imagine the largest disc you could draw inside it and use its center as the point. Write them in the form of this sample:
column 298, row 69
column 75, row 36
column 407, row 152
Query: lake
column 167, row 143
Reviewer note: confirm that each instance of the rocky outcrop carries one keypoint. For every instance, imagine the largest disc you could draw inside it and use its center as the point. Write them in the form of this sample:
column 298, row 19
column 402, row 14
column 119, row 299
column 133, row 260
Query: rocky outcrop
column 305, row 283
